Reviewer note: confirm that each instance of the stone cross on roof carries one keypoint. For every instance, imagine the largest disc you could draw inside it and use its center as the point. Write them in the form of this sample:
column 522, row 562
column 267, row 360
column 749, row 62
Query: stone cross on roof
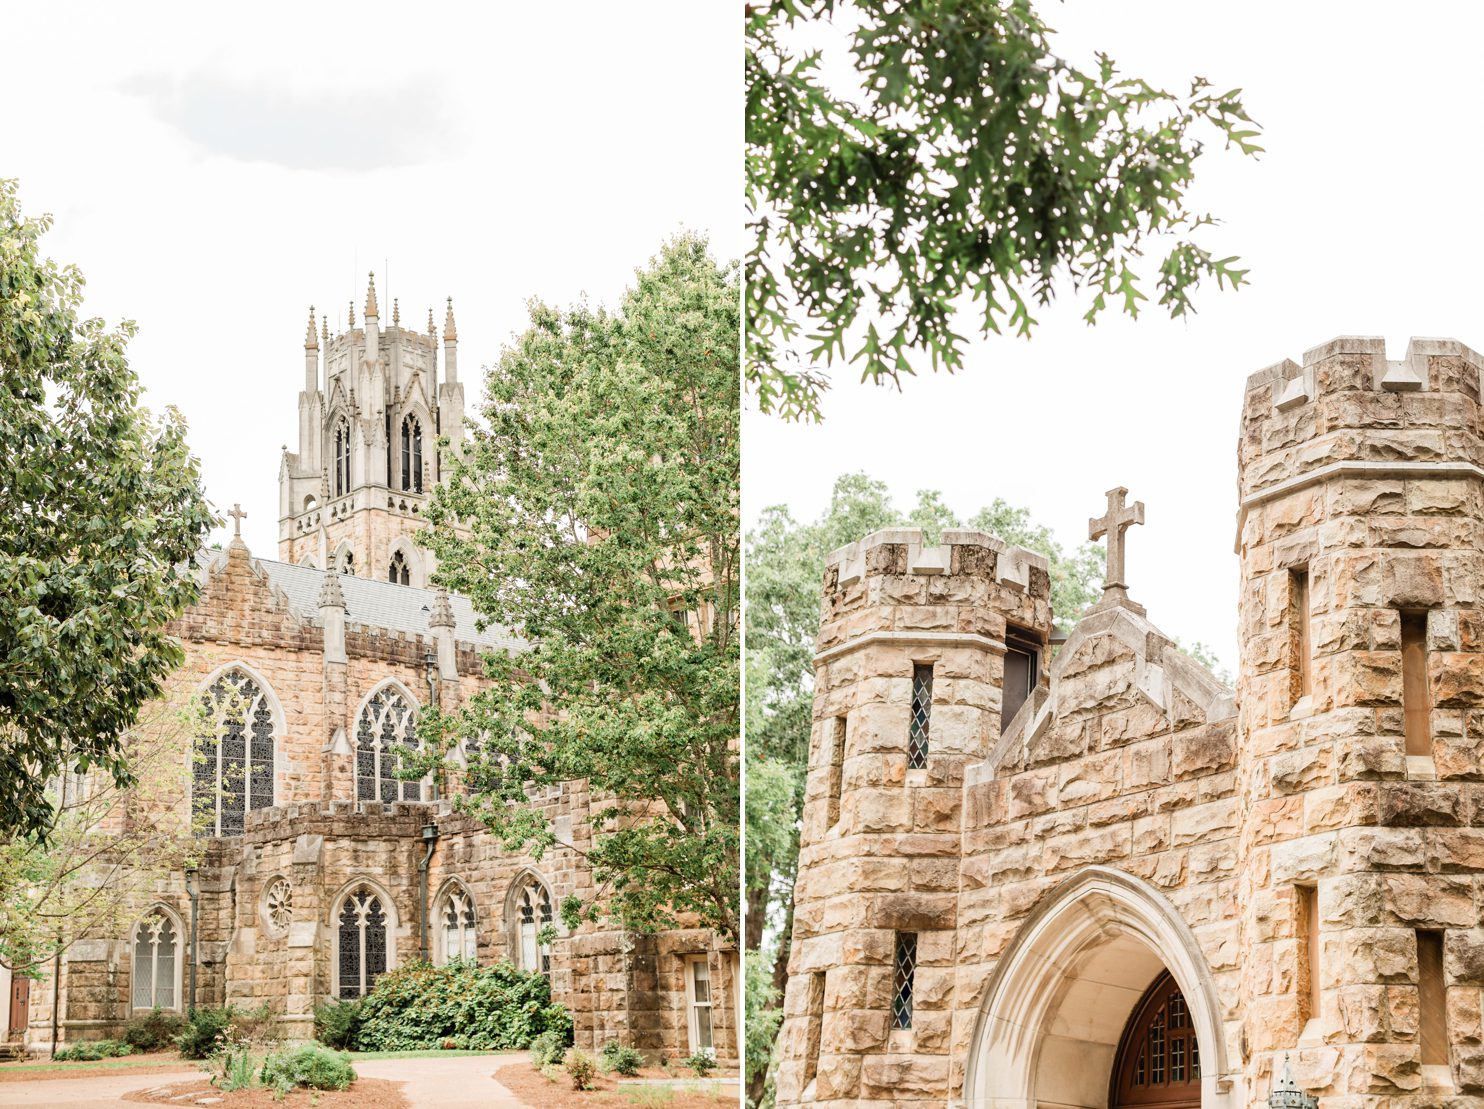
column 237, row 517
column 1113, row 523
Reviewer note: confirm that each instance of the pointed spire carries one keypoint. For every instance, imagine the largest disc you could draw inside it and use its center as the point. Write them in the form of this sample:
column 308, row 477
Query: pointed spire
column 371, row 296
column 432, row 327
column 330, row 595
column 396, row 313
column 450, row 333
column 351, row 323
column 311, row 340
column 441, row 615
column 324, row 330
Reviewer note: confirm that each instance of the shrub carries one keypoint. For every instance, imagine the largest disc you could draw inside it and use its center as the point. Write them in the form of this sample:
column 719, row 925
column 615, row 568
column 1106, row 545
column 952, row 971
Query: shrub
column 92, row 1050
column 337, row 1024
column 257, row 1026
column 155, row 1030
column 621, row 1059
column 310, row 1066
column 702, row 1062
column 547, row 1049
column 581, row 1069
column 204, row 1034
column 416, row 1007
column 236, row 1070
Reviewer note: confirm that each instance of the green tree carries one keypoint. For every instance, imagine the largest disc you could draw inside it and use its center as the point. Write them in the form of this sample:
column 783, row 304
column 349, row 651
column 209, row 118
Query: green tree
column 785, row 565
column 103, row 511
column 962, row 162
column 595, row 516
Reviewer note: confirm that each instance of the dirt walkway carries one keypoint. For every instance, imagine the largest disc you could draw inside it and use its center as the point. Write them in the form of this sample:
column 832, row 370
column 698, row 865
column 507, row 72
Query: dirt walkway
column 87, row 1091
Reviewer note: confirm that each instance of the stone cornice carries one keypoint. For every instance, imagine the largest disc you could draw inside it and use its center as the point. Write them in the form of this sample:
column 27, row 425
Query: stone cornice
column 926, row 638
column 1354, row 469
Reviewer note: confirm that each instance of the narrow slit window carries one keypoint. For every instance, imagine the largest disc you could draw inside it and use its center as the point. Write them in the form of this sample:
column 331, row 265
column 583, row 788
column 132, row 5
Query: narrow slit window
column 906, row 970
column 1022, row 664
column 1308, row 934
column 922, row 712
column 816, row 1026
column 837, row 769
column 1416, row 703
column 1432, row 1029
column 1302, row 633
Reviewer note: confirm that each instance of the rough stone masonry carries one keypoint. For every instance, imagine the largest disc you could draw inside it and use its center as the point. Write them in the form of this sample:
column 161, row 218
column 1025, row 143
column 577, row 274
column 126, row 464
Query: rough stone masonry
column 1085, row 874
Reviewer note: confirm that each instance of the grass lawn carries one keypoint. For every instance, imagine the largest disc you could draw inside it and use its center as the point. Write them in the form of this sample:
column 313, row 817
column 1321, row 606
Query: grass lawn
column 154, row 1059
column 433, row 1054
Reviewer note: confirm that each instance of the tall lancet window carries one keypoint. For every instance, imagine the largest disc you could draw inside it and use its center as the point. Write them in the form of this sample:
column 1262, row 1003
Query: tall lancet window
column 362, row 942
column 233, row 765
column 412, row 455
column 398, row 573
column 388, row 721
column 156, row 943
column 342, row 457
column 532, row 917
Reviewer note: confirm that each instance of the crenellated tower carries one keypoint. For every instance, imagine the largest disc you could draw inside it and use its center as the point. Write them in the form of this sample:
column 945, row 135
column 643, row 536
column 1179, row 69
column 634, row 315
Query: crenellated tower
column 1361, row 716
column 370, row 417
column 922, row 647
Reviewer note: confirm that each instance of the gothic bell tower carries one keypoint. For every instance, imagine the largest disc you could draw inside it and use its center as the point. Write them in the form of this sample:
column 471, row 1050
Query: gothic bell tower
column 370, row 417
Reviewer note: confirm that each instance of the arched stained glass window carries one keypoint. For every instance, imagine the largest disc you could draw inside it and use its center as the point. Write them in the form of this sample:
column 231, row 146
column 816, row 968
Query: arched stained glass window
column 532, row 916
column 399, row 573
column 361, row 938
column 233, row 766
column 342, row 456
column 456, row 917
column 412, row 455
column 387, row 722
column 156, row 943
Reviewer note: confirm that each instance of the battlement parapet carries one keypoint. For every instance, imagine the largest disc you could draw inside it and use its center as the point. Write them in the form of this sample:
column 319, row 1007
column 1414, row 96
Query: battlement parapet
column 960, row 552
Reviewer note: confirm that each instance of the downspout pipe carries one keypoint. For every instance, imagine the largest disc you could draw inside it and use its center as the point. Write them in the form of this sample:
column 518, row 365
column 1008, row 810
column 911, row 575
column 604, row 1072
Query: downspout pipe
column 430, row 839
column 190, row 877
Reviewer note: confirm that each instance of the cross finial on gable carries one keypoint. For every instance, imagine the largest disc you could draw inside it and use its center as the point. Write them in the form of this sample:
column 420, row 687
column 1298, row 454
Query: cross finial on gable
column 1113, row 523
column 237, row 517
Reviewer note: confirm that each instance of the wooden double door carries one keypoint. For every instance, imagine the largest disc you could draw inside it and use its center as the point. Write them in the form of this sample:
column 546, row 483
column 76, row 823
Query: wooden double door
column 1159, row 1058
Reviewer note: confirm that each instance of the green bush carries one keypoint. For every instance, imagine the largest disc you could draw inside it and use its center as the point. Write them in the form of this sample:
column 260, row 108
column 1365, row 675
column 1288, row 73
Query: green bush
column 581, row 1069
column 90, row 1050
column 236, row 1070
column 547, row 1049
column 336, row 1024
column 204, row 1033
column 155, row 1030
column 310, row 1066
column 702, row 1062
column 416, row 1007
column 621, row 1059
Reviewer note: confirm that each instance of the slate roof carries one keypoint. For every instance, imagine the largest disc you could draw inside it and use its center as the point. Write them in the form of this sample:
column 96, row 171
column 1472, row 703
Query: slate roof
column 377, row 604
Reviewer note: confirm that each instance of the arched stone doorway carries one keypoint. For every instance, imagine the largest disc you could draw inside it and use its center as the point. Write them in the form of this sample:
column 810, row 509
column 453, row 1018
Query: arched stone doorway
column 1158, row 1065
column 1064, row 993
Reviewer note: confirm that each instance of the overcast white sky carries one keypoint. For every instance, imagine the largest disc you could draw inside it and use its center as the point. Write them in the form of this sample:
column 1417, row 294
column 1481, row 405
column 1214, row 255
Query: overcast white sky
column 1363, row 217
column 215, row 169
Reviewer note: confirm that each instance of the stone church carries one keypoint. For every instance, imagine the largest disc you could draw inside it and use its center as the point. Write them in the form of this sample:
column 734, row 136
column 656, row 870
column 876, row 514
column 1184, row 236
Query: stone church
column 323, row 869
column 1082, row 873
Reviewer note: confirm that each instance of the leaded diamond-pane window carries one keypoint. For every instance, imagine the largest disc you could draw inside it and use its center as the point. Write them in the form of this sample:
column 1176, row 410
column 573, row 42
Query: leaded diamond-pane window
column 387, row 723
column 922, row 711
column 362, row 941
column 155, row 943
column 233, row 765
column 533, row 912
column 458, row 927
column 906, row 969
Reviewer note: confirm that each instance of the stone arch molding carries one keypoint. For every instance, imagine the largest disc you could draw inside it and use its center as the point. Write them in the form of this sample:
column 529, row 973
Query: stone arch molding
column 1059, row 997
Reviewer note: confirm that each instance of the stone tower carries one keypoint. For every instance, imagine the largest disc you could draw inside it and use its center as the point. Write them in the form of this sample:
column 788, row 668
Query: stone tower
column 921, row 648
column 370, row 417
column 1361, row 536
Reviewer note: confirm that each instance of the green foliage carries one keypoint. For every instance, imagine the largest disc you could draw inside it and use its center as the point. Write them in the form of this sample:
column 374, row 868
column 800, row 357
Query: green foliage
column 595, row 516
column 548, row 1048
column 702, row 1062
column 762, row 1015
column 337, row 1023
column 205, row 1033
column 621, row 1059
column 92, row 1050
column 155, row 1030
column 308, row 1066
column 417, row 1006
column 964, row 157
column 581, row 1069
column 104, row 512
column 236, row 1069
